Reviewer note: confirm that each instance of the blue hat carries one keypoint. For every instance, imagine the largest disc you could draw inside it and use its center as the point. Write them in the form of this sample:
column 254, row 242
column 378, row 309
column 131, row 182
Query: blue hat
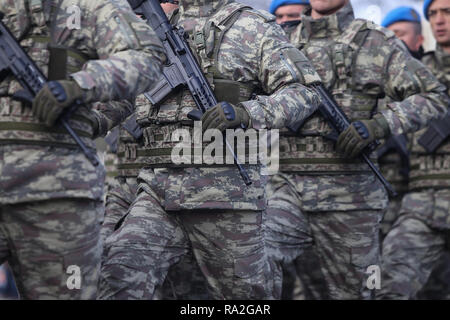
column 401, row 14
column 426, row 5
column 278, row 3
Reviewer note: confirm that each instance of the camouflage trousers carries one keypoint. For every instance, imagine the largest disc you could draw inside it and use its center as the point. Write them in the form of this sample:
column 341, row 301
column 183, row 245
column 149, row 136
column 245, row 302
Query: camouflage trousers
column 302, row 226
column 120, row 196
column 415, row 244
column 438, row 285
column 390, row 215
column 53, row 247
column 184, row 278
column 302, row 280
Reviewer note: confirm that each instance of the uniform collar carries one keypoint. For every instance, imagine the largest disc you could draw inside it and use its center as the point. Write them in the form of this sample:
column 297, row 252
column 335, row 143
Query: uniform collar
column 442, row 57
column 201, row 8
column 328, row 26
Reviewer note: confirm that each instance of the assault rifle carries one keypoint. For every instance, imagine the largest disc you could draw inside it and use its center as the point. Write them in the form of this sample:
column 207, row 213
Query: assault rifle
column 338, row 121
column 182, row 69
column 13, row 59
column 437, row 133
column 398, row 144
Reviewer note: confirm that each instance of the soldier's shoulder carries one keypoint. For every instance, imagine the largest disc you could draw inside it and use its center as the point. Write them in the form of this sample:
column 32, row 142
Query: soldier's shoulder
column 377, row 30
column 258, row 15
column 376, row 36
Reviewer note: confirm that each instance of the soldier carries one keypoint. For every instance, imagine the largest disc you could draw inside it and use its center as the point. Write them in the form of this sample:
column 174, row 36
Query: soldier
column 288, row 12
column 419, row 236
column 393, row 155
column 323, row 198
column 405, row 23
column 126, row 159
column 201, row 208
column 51, row 195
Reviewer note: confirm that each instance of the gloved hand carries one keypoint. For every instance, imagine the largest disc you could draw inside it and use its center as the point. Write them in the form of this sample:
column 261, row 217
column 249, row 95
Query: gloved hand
column 53, row 98
column 360, row 134
column 224, row 116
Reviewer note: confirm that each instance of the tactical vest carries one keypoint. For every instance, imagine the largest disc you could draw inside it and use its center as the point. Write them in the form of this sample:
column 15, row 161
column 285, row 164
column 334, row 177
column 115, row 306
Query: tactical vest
column 17, row 124
column 340, row 63
column 431, row 170
column 159, row 122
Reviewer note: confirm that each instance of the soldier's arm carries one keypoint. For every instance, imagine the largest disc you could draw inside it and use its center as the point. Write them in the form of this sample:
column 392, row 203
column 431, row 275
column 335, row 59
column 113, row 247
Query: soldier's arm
column 284, row 73
column 129, row 53
column 417, row 94
column 110, row 114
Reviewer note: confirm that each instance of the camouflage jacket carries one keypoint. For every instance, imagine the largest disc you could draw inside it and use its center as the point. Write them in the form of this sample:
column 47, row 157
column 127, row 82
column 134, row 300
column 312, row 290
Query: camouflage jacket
column 359, row 63
column 252, row 55
column 432, row 170
column 111, row 51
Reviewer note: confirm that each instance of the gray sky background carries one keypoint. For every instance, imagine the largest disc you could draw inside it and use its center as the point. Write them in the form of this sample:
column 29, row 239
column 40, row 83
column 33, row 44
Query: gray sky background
column 373, row 10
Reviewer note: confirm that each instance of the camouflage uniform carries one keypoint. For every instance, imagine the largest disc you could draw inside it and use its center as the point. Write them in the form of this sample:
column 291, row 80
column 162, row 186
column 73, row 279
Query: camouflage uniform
column 420, row 235
column 393, row 169
column 126, row 160
column 207, row 209
column 50, row 194
column 321, row 199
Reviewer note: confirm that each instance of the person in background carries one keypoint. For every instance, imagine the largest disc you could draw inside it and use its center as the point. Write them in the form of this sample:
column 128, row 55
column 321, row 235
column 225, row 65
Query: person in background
column 417, row 244
column 405, row 23
column 288, row 12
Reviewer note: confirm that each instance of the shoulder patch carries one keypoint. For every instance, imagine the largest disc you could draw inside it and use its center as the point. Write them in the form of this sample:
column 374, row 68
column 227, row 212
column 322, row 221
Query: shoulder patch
column 267, row 16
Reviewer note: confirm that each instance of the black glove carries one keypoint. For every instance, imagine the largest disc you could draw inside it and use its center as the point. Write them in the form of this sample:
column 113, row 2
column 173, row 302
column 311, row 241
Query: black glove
column 360, row 134
column 224, row 116
column 53, row 98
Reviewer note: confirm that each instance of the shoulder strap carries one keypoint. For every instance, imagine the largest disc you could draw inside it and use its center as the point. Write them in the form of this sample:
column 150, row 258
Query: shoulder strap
column 206, row 38
column 353, row 37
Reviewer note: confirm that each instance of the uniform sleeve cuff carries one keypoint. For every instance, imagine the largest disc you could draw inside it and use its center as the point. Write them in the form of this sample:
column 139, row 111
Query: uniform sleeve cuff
column 256, row 113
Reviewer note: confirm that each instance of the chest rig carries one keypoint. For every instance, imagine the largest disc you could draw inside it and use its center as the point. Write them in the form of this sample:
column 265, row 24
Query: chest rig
column 340, row 65
column 17, row 124
column 159, row 122
column 340, row 62
column 432, row 170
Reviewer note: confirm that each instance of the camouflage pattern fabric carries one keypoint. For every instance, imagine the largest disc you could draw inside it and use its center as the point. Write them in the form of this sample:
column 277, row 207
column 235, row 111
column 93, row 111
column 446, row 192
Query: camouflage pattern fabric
column 122, row 188
column 130, row 271
column 121, row 194
column 207, row 209
column 113, row 56
column 302, row 280
column 42, row 172
column 390, row 216
column 438, row 284
column 44, row 240
column 417, row 243
column 358, row 63
column 390, row 166
column 345, row 242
